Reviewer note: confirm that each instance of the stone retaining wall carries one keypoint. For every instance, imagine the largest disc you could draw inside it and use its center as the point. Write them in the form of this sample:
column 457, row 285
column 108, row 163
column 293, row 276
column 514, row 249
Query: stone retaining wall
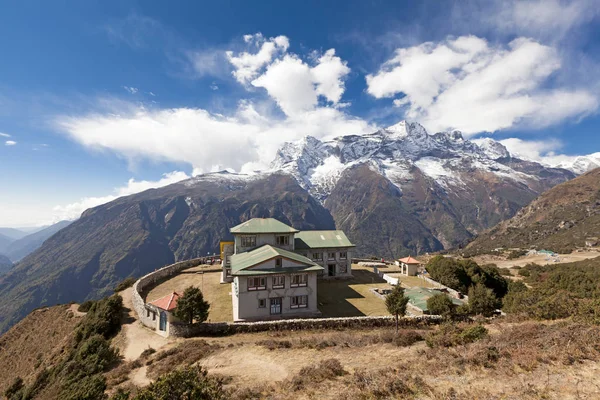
column 147, row 282
column 218, row 329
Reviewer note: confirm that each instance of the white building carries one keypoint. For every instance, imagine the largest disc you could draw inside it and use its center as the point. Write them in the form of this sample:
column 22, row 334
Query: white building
column 271, row 278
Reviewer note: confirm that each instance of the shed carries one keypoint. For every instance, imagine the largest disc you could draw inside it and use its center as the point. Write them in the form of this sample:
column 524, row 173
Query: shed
column 409, row 266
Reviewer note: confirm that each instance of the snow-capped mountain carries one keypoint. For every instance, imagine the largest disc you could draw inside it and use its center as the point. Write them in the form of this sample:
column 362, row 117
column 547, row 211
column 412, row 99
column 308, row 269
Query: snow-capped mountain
column 395, row 153
column 581, row 164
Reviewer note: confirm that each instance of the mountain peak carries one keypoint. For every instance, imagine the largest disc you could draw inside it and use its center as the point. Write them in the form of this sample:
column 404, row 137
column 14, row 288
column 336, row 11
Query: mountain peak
column 405, row 128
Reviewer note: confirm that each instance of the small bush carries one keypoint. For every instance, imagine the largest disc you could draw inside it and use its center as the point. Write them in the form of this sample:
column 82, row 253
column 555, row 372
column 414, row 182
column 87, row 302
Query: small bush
column 85, row 306
column 407, row 339
column 275, row 344
column 124, row 284
column 516, row 254
column 147, row 353
column 472, row 334
column 327, row 369
column 505, row 272
column 449, row 335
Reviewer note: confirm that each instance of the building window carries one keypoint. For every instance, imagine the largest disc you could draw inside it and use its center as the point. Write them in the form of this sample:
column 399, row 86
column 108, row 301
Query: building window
column 299, row 302
column 275, row 305
column 343, row 255
column 331, row 256
column 278, row 263
column 248, row 241
column 257, row 283
column 147, row 313
column 278, row 282
column 343, row 268
column 318, row 256
column 299, row 280
column 228, row 272
column 153, row 316
column 262, row 303
column 283, row 240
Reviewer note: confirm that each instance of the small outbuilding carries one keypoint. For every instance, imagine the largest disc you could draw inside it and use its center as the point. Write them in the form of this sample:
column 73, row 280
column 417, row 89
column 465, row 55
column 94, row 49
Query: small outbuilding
column 409, row 266
column 161, row 311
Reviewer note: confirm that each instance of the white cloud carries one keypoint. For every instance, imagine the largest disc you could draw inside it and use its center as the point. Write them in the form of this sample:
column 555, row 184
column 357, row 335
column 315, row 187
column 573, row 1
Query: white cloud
column 10, row 143
column 130, row 89
column 291, row 82
column 209, row 62
column 74, row 210
column 247, row 65
column 4, row 134
column 543, row 17
column 201, row 138
column 467, row 84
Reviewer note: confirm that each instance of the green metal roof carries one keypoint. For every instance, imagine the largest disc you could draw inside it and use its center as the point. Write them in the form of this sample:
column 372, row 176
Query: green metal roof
column 418, row 296
column 321, row 239
column 240, row 263
column 263, row 225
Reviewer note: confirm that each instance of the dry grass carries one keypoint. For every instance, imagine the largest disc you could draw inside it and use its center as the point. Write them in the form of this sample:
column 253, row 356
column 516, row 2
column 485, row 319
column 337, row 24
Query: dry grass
column 216, row 293
column 35, row 343
column 351, row 297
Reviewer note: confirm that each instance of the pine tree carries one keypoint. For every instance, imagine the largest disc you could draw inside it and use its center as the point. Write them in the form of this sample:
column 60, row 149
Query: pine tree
column 396, row 303
column 192, row 306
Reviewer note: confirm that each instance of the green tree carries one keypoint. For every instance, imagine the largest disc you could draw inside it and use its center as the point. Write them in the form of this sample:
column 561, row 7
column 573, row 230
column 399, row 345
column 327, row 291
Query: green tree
column 396, row 303
column 482, row 300
column 192, row 306
column 440, row 304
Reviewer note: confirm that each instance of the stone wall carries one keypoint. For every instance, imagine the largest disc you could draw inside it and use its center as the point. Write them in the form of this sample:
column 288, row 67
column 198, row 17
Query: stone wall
column 147, row 282
column 218, row 329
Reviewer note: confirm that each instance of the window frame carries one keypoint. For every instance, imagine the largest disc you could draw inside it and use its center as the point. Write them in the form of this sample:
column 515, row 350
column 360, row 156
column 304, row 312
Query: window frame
column 285, row 240
column 278, row 286
column 264, row 303
column 278, row 262
column 299, row 304
column 248, row 241
column 280, row 305
column 329, row 255
column 262, row 283
column 317, row 256
column 343, row 255
column 302, row 280
column 227, row 272
column 343, row 268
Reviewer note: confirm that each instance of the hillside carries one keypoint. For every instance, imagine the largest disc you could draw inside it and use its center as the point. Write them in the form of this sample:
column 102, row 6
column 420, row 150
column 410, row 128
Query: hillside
column 35, row 343
column 559, row 220
column 29, row 243
column 134, row 235
column 5, row 264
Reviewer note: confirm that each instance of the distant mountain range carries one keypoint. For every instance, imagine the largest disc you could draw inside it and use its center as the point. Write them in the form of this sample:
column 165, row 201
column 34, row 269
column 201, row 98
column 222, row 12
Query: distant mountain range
column 16, row 244
column 395, row 192
column 559, row 220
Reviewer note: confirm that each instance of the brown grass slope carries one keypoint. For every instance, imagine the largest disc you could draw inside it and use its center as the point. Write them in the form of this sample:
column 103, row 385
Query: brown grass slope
column 560, row 219
column 35, row 343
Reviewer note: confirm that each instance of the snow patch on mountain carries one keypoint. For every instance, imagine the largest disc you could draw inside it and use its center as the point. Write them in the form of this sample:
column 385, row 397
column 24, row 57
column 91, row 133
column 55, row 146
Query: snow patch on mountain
column 396, row 152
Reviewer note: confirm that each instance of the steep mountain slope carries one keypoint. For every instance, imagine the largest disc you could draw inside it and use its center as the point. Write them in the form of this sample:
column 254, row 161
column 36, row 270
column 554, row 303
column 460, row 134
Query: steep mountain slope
column 5, row 264
column 437, row 191
column 559, row 219
column 29, row 243
column 137, row 234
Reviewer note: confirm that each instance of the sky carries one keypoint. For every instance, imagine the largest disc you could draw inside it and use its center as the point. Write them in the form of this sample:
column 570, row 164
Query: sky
column 100, row 99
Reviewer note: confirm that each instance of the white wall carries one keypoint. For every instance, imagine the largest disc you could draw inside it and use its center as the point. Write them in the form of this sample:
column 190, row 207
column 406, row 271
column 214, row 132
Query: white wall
column 325, row 262
column 247, row 301
column 261, row 239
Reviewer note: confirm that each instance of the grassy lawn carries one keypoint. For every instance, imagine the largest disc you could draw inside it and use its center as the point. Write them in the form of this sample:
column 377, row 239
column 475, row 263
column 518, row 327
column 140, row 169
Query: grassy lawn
column 217, row 294
column 352, row 297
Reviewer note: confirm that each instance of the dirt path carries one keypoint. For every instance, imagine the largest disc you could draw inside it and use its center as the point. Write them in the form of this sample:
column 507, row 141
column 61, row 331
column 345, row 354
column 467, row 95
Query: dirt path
column 134, row 337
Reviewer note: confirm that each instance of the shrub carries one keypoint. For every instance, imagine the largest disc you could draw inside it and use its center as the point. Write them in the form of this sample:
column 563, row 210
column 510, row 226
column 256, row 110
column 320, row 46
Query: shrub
column 85, row 306
column 482, row 300
column 275, row 344
column 147, row 353
column 440, row 304
column 524, row 273
column 505, row 272
column 187, row 383
column 15, row 389
column 327, row 369
column 449, row 335
column 407, row 338
column 516, row 254
column 125, row 283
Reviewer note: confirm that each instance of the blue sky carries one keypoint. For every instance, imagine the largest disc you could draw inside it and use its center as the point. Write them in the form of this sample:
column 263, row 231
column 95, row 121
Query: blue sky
column 100, row 99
